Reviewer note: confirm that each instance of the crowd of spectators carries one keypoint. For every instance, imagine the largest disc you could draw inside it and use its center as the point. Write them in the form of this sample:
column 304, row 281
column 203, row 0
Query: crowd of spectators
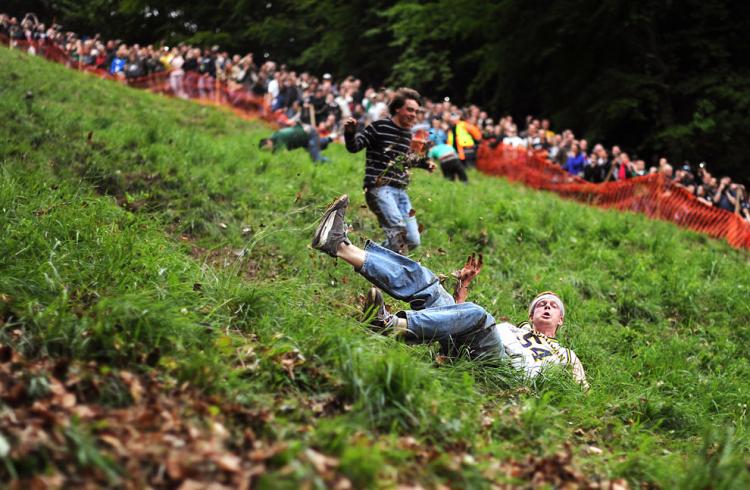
column 601, row 165
column 301, row 97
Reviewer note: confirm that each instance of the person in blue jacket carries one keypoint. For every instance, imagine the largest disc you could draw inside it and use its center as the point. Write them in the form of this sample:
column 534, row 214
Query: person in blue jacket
column 576, row 160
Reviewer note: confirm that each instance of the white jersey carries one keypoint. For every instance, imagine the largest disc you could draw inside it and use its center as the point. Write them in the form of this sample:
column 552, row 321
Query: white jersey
column 531, row 351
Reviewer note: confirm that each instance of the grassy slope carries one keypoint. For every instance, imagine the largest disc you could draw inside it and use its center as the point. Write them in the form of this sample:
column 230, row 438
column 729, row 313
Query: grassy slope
column 150, row 234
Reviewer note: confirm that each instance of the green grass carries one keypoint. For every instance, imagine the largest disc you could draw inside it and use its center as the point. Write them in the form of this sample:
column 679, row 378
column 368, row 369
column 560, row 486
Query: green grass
column 151, row 234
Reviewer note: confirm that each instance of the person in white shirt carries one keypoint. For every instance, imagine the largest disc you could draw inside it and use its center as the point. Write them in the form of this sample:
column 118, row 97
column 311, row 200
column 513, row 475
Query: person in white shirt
column 274, row 87
column 512, row 139
column 436, row 316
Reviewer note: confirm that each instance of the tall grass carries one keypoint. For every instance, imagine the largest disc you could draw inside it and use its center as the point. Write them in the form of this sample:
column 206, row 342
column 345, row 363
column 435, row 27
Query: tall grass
column 151, row 233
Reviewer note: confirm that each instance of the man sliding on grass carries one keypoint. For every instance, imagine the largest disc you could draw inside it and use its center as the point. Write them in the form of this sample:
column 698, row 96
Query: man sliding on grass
column 297, row 136
column 435, row 315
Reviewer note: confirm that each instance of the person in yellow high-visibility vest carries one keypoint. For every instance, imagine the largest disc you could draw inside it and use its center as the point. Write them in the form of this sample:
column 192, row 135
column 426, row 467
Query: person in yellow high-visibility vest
column 464, row 137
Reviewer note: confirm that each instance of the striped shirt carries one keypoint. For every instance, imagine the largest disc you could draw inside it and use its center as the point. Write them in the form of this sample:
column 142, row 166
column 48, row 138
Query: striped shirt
column 385, row 143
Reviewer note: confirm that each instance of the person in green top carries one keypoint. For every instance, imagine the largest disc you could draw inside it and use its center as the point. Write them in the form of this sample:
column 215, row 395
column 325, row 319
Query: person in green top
column 297, row 136
column 446, row 156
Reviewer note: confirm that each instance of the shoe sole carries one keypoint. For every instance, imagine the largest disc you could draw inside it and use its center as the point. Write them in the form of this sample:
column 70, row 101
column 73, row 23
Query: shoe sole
column 326, row 223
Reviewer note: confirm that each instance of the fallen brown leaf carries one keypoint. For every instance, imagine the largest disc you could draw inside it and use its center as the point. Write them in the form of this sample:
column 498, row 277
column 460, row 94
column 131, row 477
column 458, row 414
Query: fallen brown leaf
column 134, row 385
column 322, row 463
column 201, row 485
column 228, row 462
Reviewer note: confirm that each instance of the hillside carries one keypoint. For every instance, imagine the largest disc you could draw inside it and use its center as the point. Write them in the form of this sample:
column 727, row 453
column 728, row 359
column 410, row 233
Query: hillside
column 163, row 320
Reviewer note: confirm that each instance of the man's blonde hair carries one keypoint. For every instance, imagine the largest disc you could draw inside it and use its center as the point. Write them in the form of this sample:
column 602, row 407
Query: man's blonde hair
column 549, row 295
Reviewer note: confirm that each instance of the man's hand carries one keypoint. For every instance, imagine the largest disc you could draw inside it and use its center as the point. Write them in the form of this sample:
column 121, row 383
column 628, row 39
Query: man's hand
column 465, row 275
column 431, row 166
column 470, row 270
column 350, row 125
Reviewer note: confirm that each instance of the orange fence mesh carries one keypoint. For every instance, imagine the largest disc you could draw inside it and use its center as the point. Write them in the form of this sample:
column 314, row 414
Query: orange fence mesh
column 653, row 195
column 175, row 83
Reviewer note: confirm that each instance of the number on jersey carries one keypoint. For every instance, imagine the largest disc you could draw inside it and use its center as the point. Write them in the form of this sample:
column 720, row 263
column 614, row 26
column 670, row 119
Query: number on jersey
column 537, row 352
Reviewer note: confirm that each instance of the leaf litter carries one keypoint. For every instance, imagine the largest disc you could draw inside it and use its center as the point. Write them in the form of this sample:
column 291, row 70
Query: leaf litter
column 169, row 436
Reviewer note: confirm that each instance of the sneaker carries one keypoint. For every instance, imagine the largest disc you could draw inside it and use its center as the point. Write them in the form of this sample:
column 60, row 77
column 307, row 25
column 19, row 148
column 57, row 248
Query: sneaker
column 375, row 312
column 331, row 231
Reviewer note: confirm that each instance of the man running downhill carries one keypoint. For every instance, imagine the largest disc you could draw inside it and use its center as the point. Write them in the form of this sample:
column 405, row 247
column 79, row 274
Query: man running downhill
column 387, row 160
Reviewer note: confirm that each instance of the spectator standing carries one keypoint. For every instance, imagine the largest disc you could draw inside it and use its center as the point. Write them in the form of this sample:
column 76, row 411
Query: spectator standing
column 724, row 197
column 134, row 66
column 345, row 100
column 464, row 136
column 117, row 67
column 437, row 133
column 332, row 108
column 599, row 165
column 512, row 139
column 274, row 87
column 421, row 124
column 546, row 130
column 639, row 167
column 377, row 109
column 625, row 170
column 575, row 161
column 534, row 138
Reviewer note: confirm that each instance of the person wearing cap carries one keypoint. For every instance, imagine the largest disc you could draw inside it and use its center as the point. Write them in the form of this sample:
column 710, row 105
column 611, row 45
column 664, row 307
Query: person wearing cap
column 436, row 316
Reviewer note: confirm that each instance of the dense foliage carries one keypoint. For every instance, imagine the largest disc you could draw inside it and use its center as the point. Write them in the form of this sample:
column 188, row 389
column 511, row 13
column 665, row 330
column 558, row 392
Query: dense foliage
column 148, row 245
column 657, row 77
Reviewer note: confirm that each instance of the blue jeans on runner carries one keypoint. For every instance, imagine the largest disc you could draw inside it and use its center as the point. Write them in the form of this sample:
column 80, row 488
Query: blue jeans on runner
column 393, row 208
column 434, row 316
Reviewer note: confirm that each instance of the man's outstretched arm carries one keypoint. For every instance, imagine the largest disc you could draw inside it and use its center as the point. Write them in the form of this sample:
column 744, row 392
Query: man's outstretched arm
column 465, row 275
column 355, row 141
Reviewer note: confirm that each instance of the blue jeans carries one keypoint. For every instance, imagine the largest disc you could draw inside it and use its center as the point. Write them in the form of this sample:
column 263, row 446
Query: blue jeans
column 316, row 144
column 435, row 316
column 393, row 209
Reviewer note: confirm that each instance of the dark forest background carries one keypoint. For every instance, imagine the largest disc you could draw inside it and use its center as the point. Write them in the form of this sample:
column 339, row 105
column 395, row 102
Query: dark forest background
column 657, row 77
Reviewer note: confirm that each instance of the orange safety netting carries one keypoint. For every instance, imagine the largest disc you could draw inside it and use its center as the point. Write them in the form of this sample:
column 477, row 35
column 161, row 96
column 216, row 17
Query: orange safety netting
column 176, row 83
column 653, row 195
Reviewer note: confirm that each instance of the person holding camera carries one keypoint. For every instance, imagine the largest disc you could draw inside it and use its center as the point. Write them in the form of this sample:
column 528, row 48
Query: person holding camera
column 725, row 195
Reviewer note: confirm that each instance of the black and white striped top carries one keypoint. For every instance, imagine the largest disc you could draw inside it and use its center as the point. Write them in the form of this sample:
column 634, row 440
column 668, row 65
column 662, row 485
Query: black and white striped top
column 385, row 142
